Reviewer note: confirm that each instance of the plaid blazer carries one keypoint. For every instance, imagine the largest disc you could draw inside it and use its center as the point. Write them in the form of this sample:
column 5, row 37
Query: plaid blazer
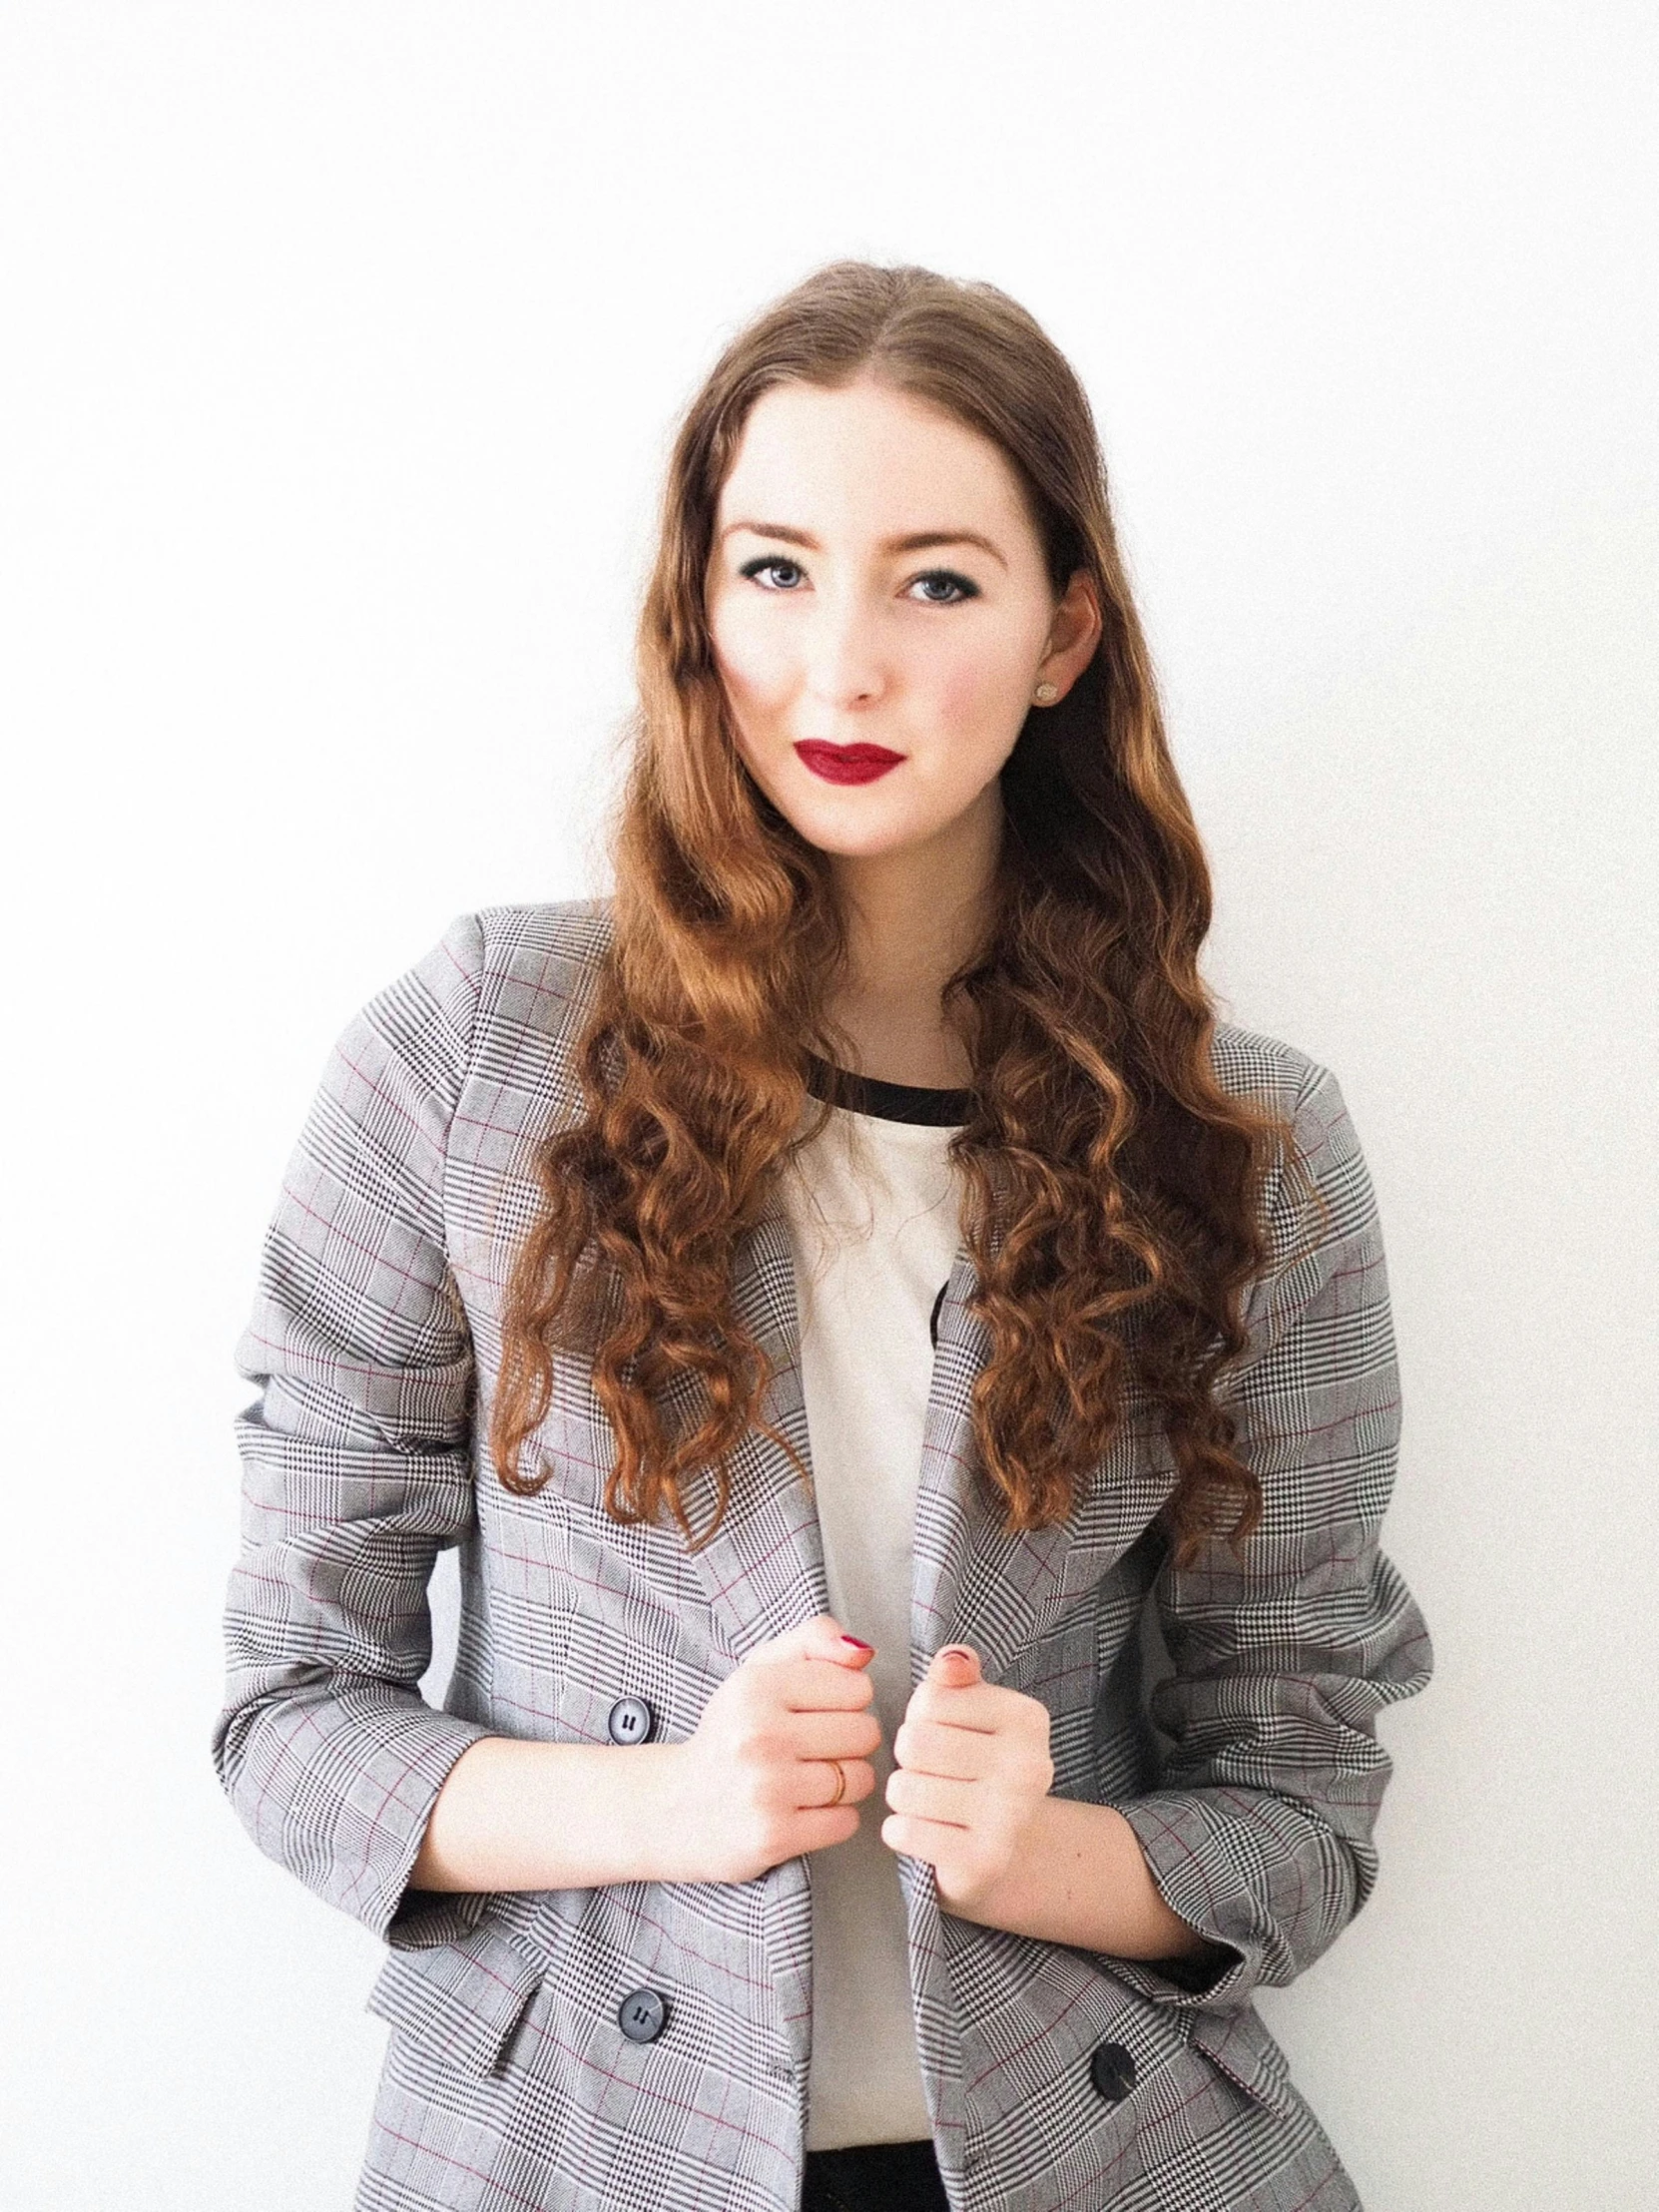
column 644, row 2044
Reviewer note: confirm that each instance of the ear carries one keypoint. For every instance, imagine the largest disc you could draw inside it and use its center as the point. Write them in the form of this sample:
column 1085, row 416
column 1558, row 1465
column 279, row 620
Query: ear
column 1072, row 636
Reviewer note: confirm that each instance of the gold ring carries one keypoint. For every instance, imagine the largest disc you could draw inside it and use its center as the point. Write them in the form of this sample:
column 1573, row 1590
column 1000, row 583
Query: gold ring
column 841, row 1783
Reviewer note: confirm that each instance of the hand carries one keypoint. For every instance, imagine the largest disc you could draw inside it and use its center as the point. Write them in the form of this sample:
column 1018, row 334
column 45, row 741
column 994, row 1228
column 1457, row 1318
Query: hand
column 971, row 1771
column 753, row 1786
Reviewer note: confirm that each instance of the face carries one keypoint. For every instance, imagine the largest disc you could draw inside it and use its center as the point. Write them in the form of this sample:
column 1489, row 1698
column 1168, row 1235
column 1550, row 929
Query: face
column 881, row 614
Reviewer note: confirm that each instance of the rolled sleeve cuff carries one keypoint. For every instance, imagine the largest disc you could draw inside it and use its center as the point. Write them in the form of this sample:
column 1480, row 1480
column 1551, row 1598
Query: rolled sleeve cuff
column 1181, row 1847
column 409, row 1769
column 339, row 1789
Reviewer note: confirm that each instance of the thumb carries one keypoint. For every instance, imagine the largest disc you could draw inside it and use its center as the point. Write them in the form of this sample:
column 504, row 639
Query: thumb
column 955, row 1667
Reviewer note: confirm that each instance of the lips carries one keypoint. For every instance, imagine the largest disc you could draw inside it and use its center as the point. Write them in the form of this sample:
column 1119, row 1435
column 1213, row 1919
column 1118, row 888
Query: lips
column 847, row 763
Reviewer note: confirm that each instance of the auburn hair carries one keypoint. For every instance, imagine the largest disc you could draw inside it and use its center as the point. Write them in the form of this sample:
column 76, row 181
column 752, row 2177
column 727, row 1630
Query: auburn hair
column 1111, row 1187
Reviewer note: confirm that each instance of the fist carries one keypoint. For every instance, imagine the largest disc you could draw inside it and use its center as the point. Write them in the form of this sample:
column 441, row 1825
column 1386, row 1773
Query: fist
column 756, row 1785
column 971, row 1768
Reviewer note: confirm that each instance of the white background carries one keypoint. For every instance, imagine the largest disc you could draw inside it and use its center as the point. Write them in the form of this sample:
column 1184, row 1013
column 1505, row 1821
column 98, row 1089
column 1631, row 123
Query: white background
column 341, row 346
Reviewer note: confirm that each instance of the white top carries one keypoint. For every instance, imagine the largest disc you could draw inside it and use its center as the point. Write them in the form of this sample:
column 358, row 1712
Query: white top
column 873, row 1214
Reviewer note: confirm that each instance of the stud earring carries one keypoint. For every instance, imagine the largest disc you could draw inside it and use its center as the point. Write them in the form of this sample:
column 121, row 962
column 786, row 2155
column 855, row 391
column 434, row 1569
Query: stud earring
column 1046, row 693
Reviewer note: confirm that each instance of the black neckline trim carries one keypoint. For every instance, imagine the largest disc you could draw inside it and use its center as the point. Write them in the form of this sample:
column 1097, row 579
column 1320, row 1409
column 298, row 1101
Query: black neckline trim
column 869, row 1094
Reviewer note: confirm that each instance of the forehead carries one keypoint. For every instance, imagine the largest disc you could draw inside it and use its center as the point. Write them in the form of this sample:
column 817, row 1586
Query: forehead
column 866, row 451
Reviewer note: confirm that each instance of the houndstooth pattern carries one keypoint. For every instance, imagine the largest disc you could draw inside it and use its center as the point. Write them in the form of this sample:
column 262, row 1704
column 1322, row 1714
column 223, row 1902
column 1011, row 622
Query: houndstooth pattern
column 1228, row 1711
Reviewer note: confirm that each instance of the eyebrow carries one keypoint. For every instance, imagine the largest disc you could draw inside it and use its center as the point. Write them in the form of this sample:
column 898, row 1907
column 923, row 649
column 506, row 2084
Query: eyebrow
column 918, row 541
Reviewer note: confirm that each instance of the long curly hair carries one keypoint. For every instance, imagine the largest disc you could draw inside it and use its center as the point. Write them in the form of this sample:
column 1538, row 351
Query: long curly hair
column 1111, row 1188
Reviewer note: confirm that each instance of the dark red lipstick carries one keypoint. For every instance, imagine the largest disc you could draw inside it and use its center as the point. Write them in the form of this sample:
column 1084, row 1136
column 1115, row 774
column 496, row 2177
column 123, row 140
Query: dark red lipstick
column 847, row 763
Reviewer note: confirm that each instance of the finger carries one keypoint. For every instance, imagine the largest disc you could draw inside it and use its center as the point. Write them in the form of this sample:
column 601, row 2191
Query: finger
column 821, row 1828
column 936, row 1843
column 819, row 1686
column 931, row 1796
column 823, row 1637
column 976, row 1705
column 835, row 1735
column 933, row 1747
column 819, row 1777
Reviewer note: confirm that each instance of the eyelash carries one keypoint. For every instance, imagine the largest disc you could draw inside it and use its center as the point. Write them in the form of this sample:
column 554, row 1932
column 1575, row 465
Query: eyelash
column 965, row 587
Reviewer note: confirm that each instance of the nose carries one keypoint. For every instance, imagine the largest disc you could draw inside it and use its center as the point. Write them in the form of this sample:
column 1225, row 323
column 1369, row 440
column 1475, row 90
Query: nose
column 845, row 667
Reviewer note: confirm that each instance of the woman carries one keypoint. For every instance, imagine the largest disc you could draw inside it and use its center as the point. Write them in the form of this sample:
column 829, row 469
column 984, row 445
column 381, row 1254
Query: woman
column 873, row 1334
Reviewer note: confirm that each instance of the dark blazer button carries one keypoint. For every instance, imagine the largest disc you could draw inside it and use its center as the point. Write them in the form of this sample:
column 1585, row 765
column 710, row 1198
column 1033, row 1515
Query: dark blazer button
column 630, row 1721
column 642, row 2015
column 1112, row 2070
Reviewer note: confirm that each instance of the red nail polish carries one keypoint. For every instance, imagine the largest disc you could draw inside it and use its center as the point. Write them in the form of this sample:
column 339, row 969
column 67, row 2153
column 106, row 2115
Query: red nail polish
column 859, row 1641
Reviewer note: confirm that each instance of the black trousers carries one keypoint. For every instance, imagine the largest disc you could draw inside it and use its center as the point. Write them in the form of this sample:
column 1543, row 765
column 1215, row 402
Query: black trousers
column 875, row 2177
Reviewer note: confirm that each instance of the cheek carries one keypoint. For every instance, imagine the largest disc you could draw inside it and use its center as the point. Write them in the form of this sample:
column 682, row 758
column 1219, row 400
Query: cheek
column 981, row 689
column 753, row 657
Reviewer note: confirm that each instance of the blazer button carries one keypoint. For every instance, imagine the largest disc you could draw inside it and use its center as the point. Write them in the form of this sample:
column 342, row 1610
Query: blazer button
column 642, row 2015
column 630, row 1721
column 1112, row 2070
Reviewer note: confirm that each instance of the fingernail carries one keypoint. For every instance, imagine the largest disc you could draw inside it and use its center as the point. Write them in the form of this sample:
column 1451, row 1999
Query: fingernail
column 859, row 1641
column 958, row 1651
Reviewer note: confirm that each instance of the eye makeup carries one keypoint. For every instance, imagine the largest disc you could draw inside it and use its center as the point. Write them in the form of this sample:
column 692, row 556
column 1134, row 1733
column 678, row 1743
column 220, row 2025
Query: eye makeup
column 961, row 587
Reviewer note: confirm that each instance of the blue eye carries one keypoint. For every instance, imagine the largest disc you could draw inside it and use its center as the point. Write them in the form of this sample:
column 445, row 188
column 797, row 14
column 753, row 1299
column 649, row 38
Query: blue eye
column 757, row 568
column 960, row 587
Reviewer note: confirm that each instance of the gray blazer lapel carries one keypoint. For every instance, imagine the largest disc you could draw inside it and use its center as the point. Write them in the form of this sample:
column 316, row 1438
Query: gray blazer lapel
column 763, row 1570
column 973, row 1582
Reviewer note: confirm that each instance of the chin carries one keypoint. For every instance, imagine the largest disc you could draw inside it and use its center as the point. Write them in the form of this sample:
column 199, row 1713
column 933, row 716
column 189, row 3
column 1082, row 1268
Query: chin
column 854, row 841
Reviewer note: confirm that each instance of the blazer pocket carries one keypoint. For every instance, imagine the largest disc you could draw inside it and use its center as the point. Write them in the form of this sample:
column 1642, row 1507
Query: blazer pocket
column 1239, row 2045
column 461, row 1999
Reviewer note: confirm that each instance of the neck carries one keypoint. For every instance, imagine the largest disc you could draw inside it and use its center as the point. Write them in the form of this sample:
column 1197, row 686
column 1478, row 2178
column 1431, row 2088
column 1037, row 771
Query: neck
column 912, row 917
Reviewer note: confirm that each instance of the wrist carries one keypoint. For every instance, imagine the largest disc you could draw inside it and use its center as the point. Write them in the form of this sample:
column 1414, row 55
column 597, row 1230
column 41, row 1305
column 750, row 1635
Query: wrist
column 659, row 1816
column 627, row 1804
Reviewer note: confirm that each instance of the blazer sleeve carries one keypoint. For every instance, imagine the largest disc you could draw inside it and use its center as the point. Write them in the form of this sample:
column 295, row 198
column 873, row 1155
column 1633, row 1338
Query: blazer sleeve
column 356, row 1469
column 1260, row 1832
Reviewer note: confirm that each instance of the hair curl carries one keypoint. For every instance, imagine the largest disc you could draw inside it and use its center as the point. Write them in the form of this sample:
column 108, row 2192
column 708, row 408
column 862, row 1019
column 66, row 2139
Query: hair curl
column 1111, row 1188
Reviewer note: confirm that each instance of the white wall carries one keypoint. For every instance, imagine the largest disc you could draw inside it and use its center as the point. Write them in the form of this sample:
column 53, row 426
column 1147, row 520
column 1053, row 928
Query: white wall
column 341, row 346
